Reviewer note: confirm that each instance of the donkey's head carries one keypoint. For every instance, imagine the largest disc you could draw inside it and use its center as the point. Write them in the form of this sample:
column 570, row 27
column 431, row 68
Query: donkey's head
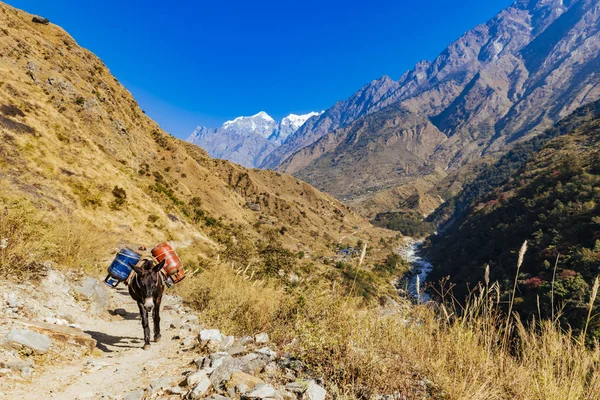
column 149, row 281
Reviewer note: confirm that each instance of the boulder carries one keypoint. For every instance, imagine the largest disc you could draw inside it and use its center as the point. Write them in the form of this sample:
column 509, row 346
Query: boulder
column 208, row 335
column 314, row 392
column 227, row 342
column 241, row 383
column 201, row 388
column 195, row 378
column 40, row 20
column 176, row 390
column 262, row 338
column 65, row 334
column 254, row 363
column 18, row 338
column 265, row 351
column 297, row 387
column 212, row 360
column 236, row 349
column 230, row 365
column 245, row 340
column 159, row 384
column 263, row 391
column 94, row 292
column 253, row 206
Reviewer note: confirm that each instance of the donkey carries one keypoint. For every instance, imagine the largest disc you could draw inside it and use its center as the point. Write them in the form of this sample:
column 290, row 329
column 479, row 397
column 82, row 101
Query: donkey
column 147, row 289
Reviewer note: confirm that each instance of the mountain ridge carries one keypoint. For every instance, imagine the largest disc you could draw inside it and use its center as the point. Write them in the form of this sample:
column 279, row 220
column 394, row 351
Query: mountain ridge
column 478, row 93
column 248, row 140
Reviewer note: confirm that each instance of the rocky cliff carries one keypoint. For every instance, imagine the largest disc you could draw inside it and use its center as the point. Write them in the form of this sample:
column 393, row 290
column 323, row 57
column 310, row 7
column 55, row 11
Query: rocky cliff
column 503, row 81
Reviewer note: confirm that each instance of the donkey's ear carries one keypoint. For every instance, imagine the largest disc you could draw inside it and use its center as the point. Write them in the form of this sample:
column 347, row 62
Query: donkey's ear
column 137, row 269
column 159, row 266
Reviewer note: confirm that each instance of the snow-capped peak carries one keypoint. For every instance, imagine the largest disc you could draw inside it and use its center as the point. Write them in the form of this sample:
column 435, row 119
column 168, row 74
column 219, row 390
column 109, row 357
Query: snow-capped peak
column 263, row 115
column 248, row 139
column 260, row 115
column 298, row 120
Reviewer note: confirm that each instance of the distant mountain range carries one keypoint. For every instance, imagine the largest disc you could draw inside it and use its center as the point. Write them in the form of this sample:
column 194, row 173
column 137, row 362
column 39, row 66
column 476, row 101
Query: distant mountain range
column 248, row 140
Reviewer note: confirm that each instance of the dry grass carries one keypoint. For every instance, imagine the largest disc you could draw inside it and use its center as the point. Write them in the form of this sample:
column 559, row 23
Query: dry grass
column 417, row 351
column 434, row 352
column 30, row 237
column 231, row 301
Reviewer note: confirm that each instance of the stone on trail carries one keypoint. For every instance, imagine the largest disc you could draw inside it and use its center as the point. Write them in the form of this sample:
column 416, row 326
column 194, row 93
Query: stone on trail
column 26, row 338
column 16, row 364
column 94, row 292
column 135, row 395
column 314, row 392
column 61, row 333
column 226, row 343
column 120, row 312
column 201, row 388
column 159, row 384
column 263, row 391
column 267, row 352
column 298, row 386
column 262, row 338
column 195, row 378
column 26, row 372
column 207, row 335
column 12, row 301
column 236, row 349
column 217, row 397
column 176, row 390
column 241, row 383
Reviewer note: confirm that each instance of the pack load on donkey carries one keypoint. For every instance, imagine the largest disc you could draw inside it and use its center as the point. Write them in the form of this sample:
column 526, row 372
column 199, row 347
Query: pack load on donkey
column 172, row 270
column 120, row 270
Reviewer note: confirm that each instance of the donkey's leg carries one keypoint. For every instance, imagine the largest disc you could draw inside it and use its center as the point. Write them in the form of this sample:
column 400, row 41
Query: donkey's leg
column 156, row 317
column 145, row 325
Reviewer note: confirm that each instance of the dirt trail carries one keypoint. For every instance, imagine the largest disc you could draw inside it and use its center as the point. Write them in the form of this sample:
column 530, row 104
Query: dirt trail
column 119, row 364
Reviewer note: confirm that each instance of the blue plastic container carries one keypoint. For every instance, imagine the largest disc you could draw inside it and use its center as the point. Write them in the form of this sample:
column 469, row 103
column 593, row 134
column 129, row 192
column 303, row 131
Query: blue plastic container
column 120, row 268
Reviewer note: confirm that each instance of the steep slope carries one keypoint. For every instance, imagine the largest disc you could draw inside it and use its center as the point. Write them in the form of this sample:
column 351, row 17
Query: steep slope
column 76, row 145
column 370, row 165
column 508, row 79
column 546, row 194
column 247, row 140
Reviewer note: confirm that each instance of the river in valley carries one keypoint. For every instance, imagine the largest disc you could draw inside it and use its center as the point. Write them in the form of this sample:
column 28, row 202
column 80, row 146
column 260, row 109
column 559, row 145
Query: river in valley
column 420, row 269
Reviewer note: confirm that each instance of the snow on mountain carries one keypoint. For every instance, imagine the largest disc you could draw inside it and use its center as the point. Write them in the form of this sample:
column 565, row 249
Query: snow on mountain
column 247, row 140
column 290, row 125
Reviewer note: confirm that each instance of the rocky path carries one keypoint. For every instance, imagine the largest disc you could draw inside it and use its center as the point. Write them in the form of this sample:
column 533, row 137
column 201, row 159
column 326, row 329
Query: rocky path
column 118, row 365
column 99, row 355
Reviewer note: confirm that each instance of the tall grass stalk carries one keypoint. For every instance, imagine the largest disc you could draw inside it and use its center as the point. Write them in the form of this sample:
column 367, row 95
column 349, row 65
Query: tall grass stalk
column 590, row 308
column 552, row 288
column 522, row 252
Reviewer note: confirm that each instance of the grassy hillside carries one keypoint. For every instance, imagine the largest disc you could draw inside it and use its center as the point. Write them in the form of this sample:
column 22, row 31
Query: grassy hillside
column 480, row 179
column 77, row 148
column 545, row 191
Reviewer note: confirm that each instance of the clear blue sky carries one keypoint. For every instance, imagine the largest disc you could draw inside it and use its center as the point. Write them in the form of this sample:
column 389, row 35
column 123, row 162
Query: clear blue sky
column 194, row 63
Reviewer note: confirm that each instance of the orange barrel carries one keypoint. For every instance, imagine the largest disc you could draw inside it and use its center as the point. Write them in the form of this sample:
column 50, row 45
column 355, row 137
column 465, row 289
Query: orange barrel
column 173, row 266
